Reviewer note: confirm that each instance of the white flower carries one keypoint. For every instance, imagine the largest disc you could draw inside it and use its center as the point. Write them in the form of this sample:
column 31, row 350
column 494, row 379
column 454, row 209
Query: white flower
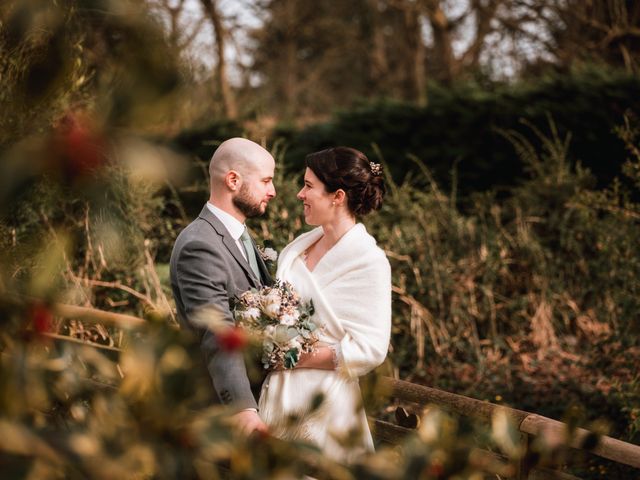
column 271, row 305
column 294, row 343
column 288, row 319
column 281, row 335
column 251, row 314
column 269, row 331
column 271, row 310
column 269, row 255
column 291, row 311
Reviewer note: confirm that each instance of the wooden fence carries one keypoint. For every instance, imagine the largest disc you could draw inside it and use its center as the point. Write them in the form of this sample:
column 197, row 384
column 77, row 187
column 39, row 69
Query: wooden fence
column 530, row 425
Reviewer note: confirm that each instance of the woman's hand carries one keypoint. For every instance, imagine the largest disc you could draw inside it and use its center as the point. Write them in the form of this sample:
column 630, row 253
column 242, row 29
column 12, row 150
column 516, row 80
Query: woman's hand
column 322, row 358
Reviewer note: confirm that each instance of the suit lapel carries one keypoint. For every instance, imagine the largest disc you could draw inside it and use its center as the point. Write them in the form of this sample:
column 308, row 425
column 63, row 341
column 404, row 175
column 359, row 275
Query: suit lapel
column 230, row 244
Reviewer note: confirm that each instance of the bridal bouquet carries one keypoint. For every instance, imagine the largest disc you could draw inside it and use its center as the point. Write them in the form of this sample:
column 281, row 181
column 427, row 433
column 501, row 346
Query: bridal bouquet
column 277, row 315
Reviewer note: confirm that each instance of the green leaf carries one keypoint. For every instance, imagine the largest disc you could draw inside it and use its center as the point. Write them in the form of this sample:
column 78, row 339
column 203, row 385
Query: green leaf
column 291, row 358
column 282, row 334
column 292, row 332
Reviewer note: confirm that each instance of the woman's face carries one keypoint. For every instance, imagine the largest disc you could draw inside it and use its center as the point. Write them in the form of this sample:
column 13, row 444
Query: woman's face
column 318, row 209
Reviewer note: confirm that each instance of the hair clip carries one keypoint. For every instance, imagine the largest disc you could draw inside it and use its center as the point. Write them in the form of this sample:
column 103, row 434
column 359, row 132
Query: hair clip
column 376, row 168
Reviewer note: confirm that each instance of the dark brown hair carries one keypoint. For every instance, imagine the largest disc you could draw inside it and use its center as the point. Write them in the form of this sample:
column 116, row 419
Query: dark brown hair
column 350, row 170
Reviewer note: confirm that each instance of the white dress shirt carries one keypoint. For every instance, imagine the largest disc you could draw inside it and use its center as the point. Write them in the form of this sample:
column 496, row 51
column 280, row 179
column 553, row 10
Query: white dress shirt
column 232, row 224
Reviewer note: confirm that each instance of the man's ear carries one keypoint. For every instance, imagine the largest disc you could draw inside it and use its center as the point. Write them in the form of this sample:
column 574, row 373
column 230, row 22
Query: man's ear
column 339, row 196
column 232, row 180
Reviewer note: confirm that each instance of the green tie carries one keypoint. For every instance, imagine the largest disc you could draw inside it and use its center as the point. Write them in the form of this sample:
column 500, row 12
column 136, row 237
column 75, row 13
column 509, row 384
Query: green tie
column 251, row 252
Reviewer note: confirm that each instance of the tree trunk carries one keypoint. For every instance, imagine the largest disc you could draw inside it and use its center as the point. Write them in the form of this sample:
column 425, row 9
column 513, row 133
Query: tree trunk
column 416, row 54
column 419, row 71
column 379, row 65
column 224, row 88
column 441, row 39
column 290, row 81
column 485, row 14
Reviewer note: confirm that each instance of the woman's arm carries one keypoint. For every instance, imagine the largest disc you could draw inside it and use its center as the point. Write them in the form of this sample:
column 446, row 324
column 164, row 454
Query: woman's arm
column 363, row 305
column 323, row 358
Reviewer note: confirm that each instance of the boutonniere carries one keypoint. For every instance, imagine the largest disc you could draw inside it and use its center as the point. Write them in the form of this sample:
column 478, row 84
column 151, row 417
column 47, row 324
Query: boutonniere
column 268, row 254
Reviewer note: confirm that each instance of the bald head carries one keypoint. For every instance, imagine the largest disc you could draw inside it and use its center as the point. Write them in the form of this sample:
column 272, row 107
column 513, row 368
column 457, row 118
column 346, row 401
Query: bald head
column 240, row 155
column 241, row 173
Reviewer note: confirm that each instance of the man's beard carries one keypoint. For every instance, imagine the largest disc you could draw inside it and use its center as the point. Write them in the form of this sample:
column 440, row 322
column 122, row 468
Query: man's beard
column 246, row 204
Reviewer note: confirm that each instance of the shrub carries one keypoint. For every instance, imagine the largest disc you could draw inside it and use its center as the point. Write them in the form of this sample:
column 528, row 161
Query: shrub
column 458, row 129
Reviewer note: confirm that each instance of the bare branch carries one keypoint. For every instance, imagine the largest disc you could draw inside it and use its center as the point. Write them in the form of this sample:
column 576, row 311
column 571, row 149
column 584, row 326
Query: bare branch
column 484, row 19
column 188, row 40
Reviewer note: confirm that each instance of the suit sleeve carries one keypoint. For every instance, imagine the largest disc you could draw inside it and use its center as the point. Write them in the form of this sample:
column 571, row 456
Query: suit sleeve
column 203, row 282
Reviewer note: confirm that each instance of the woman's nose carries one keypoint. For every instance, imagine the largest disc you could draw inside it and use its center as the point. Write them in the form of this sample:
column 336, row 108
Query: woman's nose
column 300, row 195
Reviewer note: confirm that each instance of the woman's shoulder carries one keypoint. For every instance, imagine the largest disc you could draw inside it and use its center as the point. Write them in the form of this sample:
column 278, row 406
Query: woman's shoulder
column 369, row 242
column 378, row 259
column 365, row 247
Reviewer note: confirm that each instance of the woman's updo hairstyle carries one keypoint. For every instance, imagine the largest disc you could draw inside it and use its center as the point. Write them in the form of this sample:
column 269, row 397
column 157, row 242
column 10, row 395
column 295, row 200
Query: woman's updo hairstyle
column 350, row 170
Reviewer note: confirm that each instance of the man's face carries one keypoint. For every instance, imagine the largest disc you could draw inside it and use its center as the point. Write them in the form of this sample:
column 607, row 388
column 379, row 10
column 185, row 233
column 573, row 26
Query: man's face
column 256, row 189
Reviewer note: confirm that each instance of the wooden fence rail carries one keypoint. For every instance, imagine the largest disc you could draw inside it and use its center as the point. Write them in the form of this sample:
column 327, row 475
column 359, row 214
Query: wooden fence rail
column 93, row 315
column 529, row 424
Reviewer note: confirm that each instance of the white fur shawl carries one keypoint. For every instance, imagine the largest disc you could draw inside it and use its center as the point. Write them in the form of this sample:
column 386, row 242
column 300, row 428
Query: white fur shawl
column 351, row 291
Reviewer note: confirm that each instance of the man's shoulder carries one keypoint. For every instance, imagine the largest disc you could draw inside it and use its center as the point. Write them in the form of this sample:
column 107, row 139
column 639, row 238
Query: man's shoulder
column 198, row 233
column 206, row 224
column 198, row 228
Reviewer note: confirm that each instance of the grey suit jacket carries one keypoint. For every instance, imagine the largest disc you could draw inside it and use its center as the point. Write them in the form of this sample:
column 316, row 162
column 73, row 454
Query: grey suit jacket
column 207, row 269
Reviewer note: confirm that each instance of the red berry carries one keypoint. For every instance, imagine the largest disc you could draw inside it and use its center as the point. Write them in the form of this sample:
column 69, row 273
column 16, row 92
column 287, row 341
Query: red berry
column 233, row 338
column 41, row 318
column 436, row 469
column 78, row 145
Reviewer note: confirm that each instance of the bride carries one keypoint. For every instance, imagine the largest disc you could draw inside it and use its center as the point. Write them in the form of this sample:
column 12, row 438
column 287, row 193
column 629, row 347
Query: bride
column 339, row 267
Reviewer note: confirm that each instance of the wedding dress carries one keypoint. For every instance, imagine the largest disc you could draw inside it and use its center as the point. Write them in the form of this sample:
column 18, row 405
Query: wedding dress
column 351, row 292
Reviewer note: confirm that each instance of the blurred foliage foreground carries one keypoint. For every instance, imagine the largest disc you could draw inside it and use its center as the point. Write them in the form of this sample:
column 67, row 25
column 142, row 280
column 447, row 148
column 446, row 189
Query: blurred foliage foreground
column 531, row 300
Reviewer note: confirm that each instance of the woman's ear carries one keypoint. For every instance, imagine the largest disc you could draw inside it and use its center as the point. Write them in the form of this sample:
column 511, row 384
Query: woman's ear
column 232, row 180
column 339, row 196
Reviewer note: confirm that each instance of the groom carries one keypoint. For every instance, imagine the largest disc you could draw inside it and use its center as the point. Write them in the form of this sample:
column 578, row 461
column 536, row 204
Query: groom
column 214, row 260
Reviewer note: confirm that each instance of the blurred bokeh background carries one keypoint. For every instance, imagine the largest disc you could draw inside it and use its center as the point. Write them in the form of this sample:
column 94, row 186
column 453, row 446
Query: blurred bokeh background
column 510, row 135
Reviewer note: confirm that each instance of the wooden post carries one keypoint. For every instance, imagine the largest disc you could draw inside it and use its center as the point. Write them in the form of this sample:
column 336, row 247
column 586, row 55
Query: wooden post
column 524, row 464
